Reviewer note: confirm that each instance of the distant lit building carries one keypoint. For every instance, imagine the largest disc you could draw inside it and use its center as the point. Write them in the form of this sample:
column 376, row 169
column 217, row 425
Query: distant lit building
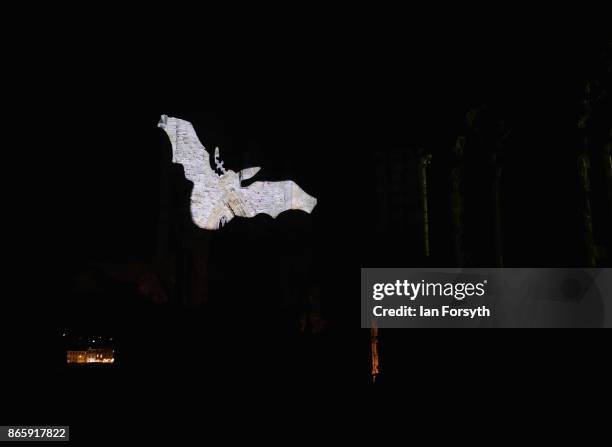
column 91, row 355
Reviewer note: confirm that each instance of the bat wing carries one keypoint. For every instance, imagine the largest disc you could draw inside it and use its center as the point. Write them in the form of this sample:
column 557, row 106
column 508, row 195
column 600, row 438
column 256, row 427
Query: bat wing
column 273, row 198
column 208, row 210
column 188, row 150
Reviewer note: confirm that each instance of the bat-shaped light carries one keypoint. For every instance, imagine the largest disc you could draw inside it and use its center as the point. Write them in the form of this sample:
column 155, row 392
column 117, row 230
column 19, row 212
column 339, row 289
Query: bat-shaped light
column 216, row 199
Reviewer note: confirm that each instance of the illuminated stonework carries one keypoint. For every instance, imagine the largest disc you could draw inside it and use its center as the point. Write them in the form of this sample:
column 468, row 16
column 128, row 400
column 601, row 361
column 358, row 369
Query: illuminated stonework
column 217, row 199
column 90, row 355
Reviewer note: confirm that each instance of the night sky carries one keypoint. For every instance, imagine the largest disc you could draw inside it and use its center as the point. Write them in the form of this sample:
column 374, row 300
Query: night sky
column 316, row 114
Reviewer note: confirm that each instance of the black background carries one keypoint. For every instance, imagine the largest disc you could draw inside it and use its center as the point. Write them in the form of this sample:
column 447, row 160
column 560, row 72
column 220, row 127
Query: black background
column 305, row 105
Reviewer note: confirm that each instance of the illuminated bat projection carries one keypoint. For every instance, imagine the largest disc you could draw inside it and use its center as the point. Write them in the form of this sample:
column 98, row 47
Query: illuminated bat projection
column 218, row 198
